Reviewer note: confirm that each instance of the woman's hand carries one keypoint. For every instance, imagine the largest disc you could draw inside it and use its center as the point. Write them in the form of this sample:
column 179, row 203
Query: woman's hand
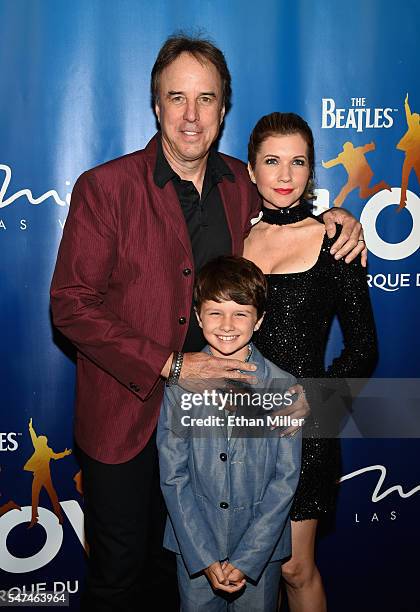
column 298, row 410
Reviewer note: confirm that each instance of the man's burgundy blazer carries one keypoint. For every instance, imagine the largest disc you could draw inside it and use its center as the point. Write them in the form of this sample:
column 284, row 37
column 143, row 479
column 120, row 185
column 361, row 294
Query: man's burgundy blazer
column 122, row 294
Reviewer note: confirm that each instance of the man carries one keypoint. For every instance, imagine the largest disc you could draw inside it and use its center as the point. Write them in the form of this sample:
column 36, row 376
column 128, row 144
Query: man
column 138, row 229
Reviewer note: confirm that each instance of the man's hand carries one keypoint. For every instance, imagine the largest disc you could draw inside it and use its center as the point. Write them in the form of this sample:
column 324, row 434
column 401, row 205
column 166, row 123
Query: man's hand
column 298, row 410
column 233, row 574
column 200, row 369
column 30, row 422
column 351, row 241
column 218, row 580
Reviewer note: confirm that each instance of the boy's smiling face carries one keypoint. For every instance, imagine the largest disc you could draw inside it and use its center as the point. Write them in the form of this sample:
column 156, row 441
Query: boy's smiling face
column 228, row 327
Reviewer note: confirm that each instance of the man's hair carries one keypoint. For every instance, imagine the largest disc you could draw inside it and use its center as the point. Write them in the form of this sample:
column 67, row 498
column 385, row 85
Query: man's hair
column 203, row 50
column 283, row 124
column 231, row 278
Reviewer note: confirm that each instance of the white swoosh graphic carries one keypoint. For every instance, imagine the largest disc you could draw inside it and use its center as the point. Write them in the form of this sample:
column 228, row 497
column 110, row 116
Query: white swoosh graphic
column 52, row 193
column 376, row 496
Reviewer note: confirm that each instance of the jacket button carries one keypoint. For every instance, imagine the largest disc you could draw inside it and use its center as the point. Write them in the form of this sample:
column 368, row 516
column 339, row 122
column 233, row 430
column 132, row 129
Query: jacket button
column 223, row 456
column 182, row 320
column 186, row 271
column 134, row 387
column 224, row 505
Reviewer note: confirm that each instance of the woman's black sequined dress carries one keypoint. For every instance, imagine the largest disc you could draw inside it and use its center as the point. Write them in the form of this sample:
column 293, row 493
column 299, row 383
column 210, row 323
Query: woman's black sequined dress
column 294, row 334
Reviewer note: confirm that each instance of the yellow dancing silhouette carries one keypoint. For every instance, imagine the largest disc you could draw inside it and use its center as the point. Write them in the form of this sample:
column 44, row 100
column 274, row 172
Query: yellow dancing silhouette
column 359, row 172
column 39, row 464
column 410, row 143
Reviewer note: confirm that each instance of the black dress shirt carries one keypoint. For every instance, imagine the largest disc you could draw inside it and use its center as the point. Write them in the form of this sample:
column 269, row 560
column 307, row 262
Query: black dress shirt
column 205, row 218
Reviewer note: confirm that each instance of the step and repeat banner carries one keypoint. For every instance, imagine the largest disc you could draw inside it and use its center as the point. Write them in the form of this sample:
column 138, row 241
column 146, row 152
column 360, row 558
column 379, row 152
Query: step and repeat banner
column 75, row 93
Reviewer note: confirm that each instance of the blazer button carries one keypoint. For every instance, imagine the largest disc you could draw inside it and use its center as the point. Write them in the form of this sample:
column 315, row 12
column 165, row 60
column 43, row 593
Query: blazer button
column 223, row 456
column 134, row 387
column 186, row 271
column 224, row 505
column 182, row 320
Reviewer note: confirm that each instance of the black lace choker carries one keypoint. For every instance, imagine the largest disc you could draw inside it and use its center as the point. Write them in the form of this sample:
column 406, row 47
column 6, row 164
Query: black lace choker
column 284, row 216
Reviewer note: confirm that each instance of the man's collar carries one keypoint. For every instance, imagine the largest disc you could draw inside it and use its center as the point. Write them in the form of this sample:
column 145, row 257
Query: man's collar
column 163, row 172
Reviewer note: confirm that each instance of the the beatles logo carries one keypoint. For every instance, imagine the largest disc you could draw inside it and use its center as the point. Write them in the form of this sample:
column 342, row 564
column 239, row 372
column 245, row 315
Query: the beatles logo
column 359, row 172
column 380, row 194
column 357, row 117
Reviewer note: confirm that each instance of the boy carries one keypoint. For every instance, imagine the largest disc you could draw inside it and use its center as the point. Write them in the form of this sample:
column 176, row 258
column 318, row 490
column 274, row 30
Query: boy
column 228, row 480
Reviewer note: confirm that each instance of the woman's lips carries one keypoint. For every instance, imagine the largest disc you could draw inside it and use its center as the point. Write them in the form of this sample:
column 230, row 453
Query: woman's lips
column 283, row 191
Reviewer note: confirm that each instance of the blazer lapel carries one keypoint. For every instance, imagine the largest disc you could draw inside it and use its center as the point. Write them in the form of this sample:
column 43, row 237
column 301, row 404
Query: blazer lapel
column 250, row 411
column 166, row 199
column 230, row 195
column 169, row 203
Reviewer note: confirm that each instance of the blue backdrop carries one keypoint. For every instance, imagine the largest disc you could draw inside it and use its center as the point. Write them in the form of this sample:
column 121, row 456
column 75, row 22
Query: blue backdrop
column 74, row 93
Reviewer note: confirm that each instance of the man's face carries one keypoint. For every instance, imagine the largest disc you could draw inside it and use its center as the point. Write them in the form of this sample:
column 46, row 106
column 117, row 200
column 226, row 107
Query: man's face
column 189, row 108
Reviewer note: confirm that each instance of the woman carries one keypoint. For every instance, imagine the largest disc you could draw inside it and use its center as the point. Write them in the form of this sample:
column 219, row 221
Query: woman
column 307, row 287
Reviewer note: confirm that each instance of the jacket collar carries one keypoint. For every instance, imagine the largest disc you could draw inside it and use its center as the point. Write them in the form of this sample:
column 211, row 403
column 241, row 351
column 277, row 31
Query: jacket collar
column 229, row 193
column 163, row 172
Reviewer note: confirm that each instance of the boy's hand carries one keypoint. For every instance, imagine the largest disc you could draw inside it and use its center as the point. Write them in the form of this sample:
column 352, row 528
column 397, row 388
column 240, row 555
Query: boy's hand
column 233, row 574
column 218, row 580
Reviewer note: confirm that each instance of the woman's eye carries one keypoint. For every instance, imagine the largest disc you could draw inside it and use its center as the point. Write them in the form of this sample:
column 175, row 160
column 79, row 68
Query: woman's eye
column 271, row 160
column 299, row 162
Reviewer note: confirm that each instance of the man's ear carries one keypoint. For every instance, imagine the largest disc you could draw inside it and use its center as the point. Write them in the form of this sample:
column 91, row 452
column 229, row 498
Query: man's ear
column 251, row 175
column 222, row 114
column 157, row 111
column 198, row 317
column 258, row 323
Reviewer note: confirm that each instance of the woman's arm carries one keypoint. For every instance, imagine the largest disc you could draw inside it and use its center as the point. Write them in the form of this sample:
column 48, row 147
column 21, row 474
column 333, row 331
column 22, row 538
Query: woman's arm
column 330, row 399
column 353, row 307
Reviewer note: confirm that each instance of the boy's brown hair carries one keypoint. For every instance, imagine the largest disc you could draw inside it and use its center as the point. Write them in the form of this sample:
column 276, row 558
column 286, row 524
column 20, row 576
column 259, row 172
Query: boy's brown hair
column 231, row 278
